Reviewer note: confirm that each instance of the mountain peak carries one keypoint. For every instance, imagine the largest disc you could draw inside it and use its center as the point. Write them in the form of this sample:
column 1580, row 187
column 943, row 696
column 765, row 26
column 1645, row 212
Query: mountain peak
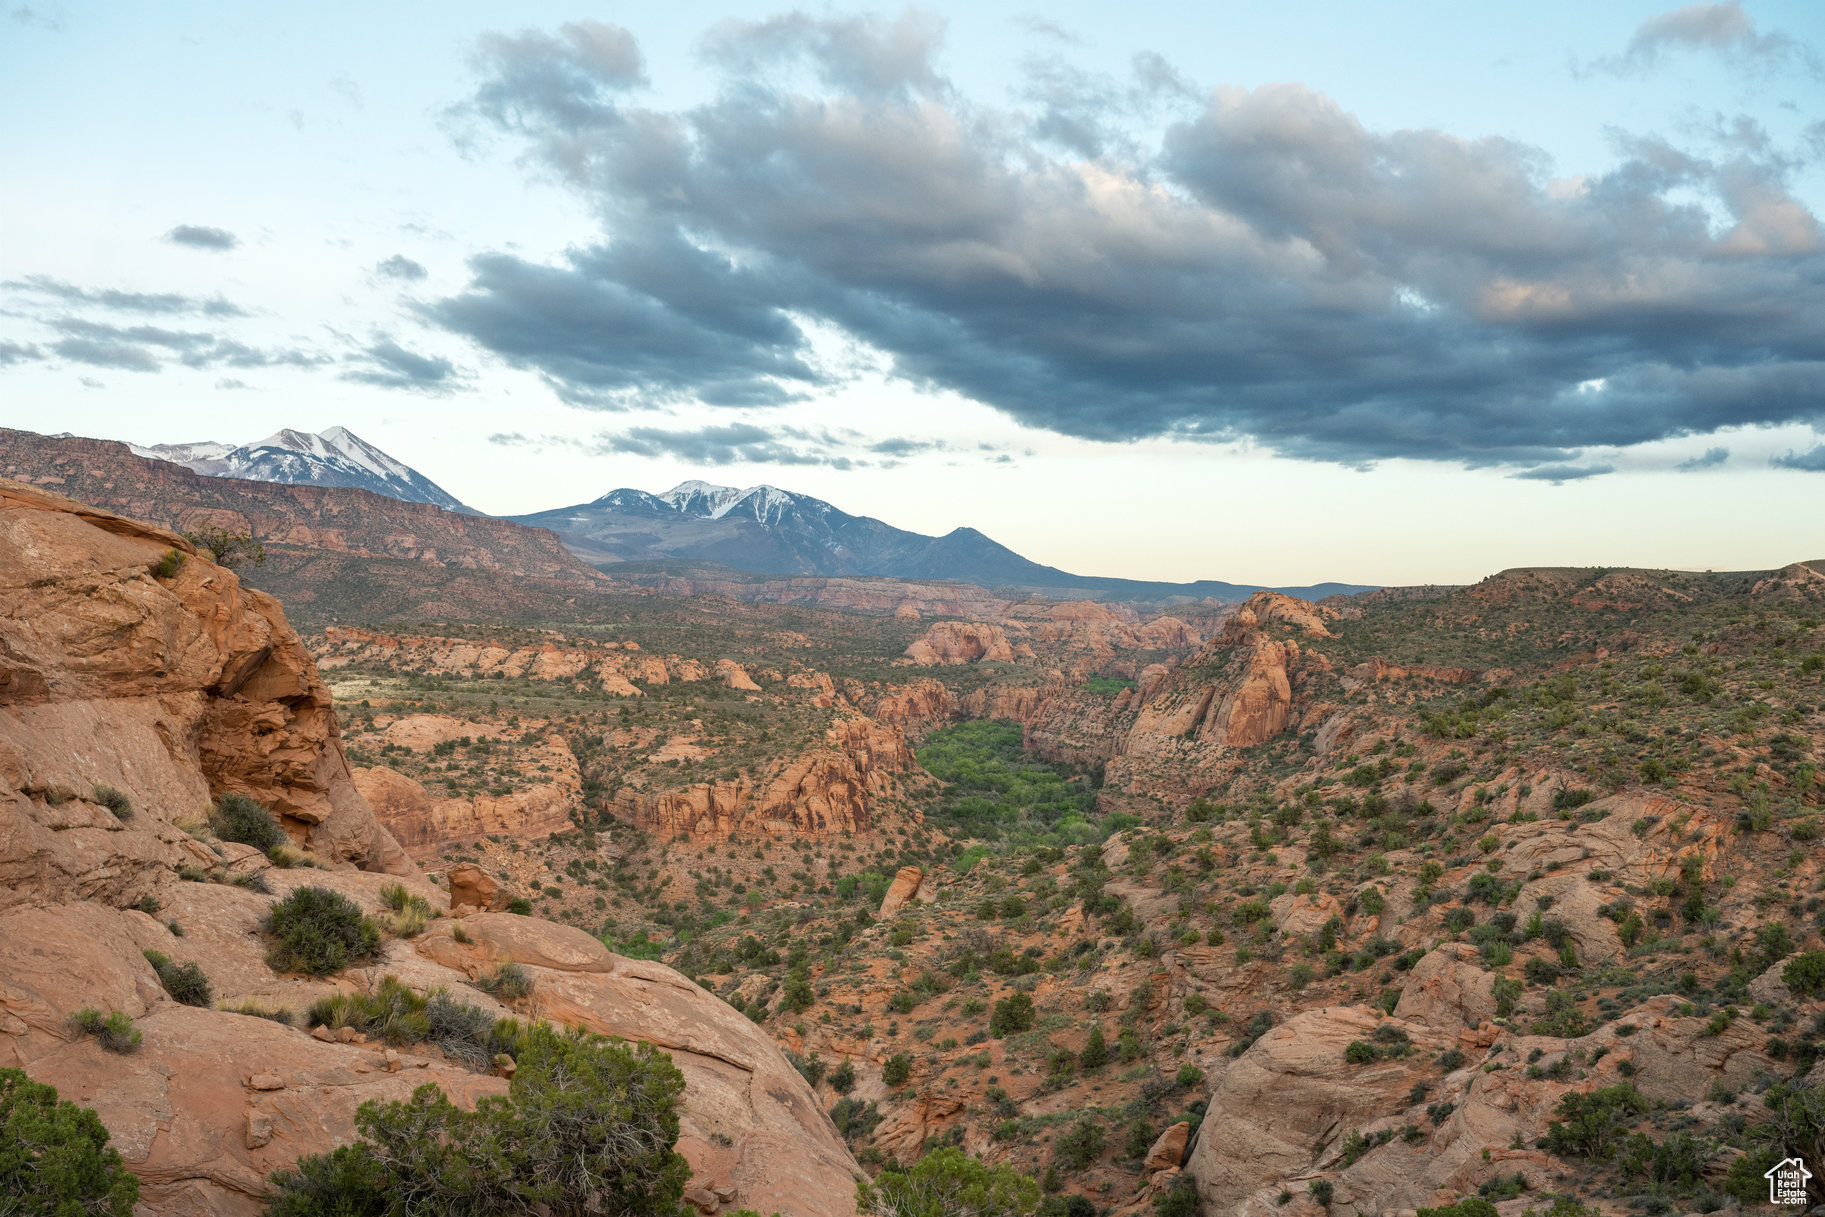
column 336, row 457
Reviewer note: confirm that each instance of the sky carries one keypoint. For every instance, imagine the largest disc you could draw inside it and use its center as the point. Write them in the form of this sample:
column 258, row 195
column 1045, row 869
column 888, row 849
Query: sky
column 1380, row 293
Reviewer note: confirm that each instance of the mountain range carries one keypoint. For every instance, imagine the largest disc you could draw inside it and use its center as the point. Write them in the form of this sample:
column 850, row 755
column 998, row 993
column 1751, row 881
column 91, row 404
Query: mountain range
column 336, row 457
column 757, row 529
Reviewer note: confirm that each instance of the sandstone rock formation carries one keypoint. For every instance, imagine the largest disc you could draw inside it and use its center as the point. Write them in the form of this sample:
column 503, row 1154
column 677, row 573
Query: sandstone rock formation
column 174, row 687
column 959, row 642
column 830, row 789
column 422, row 822
column 171, row 690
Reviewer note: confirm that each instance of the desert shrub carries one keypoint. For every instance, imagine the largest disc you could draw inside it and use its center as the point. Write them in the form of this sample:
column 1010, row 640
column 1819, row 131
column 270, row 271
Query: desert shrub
column 854, row 1118
column 171, row 562
column 1804, row 975
column 54, row 1156
column 1469, row 1206
column 227, row 548
column 1012, row 1014
column 184, row 982
column 114, row 801
column 520, row 905
column 254, row 1009
column 948, row 1181
column 897, row 1070
column 1095, row 1053
column 1562, row 1017
column 1590, row 1123
column 812, row 1069
column 587, row 1127
column 115, row 1030
column 842, row 1078
column 1359, row 1052
column 237, row 818
column 1181, row 1199
column 1082, row 1145
column 1678, row 1162
column 1323, row 1191
column 509, row 982
column 319, row 931
column 1189, row 1075
column 465, row 1033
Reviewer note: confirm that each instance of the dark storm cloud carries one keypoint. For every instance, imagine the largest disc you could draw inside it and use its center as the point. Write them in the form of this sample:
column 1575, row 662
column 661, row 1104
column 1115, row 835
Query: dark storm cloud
column 1712, row 458
column 126, row 302
column 1811, row 462
column 401, row 267
column 658, row 318
column 1724, row 29
column 391, row 366
column 1270, row 268
column 199, row 237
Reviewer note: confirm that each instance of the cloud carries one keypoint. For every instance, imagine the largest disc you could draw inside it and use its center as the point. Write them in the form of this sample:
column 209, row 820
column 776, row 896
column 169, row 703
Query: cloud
column 229, row 382
column 1811, row 462
column 1268, row 267
column 1558, row 475
column 900, row 446
column 727, row 444
column 401, row 267
column 17, row 352
column 391, row 366
column 1712, row 458
column 123, row 301
column 198, row 237
column 1724, row 29
column 102, row 353
column 138, row 348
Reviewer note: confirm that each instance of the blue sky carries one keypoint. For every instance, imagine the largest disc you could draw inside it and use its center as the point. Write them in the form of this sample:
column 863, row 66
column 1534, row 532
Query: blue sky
column 1386, row 293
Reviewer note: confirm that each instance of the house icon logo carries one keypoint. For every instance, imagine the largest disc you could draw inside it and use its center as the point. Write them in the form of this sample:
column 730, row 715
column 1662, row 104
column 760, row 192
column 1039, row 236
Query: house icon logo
column 1787, row 1181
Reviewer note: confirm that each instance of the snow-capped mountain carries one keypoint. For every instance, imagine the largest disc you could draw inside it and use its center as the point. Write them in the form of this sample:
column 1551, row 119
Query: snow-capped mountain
column 767, row 530
column 337, row 457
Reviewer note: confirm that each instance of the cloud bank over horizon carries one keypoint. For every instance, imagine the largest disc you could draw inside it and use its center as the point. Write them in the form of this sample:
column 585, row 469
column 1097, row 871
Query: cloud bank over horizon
column 1268, row 267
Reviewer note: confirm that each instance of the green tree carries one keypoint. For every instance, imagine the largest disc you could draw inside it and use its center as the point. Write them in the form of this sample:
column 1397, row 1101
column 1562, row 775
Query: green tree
column 54, row 1156
column 587, row 1128
column 1082, row 1145
column 1590, row 1123
column 1096, row 1051
column 1804, row 975
column 947, row 1182
column 227, row 548
column 1011, row 1014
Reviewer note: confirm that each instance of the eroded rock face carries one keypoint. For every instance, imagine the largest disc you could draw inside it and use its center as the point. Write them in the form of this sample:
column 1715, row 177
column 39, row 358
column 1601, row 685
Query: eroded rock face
column 959, row 642
column 172, row 690
column 826, row 790
column 423, row 822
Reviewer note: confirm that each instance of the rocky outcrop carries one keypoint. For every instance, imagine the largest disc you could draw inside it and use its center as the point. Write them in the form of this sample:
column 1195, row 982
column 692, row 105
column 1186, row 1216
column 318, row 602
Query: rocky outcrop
column 909, row 884
column 831, row 789
column 613, row 666
column 959, row 642
column 423, row 823
column 173, row 690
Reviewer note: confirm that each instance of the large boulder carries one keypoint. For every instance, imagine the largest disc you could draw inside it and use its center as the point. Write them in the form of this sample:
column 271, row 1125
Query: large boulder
column 172, row 684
